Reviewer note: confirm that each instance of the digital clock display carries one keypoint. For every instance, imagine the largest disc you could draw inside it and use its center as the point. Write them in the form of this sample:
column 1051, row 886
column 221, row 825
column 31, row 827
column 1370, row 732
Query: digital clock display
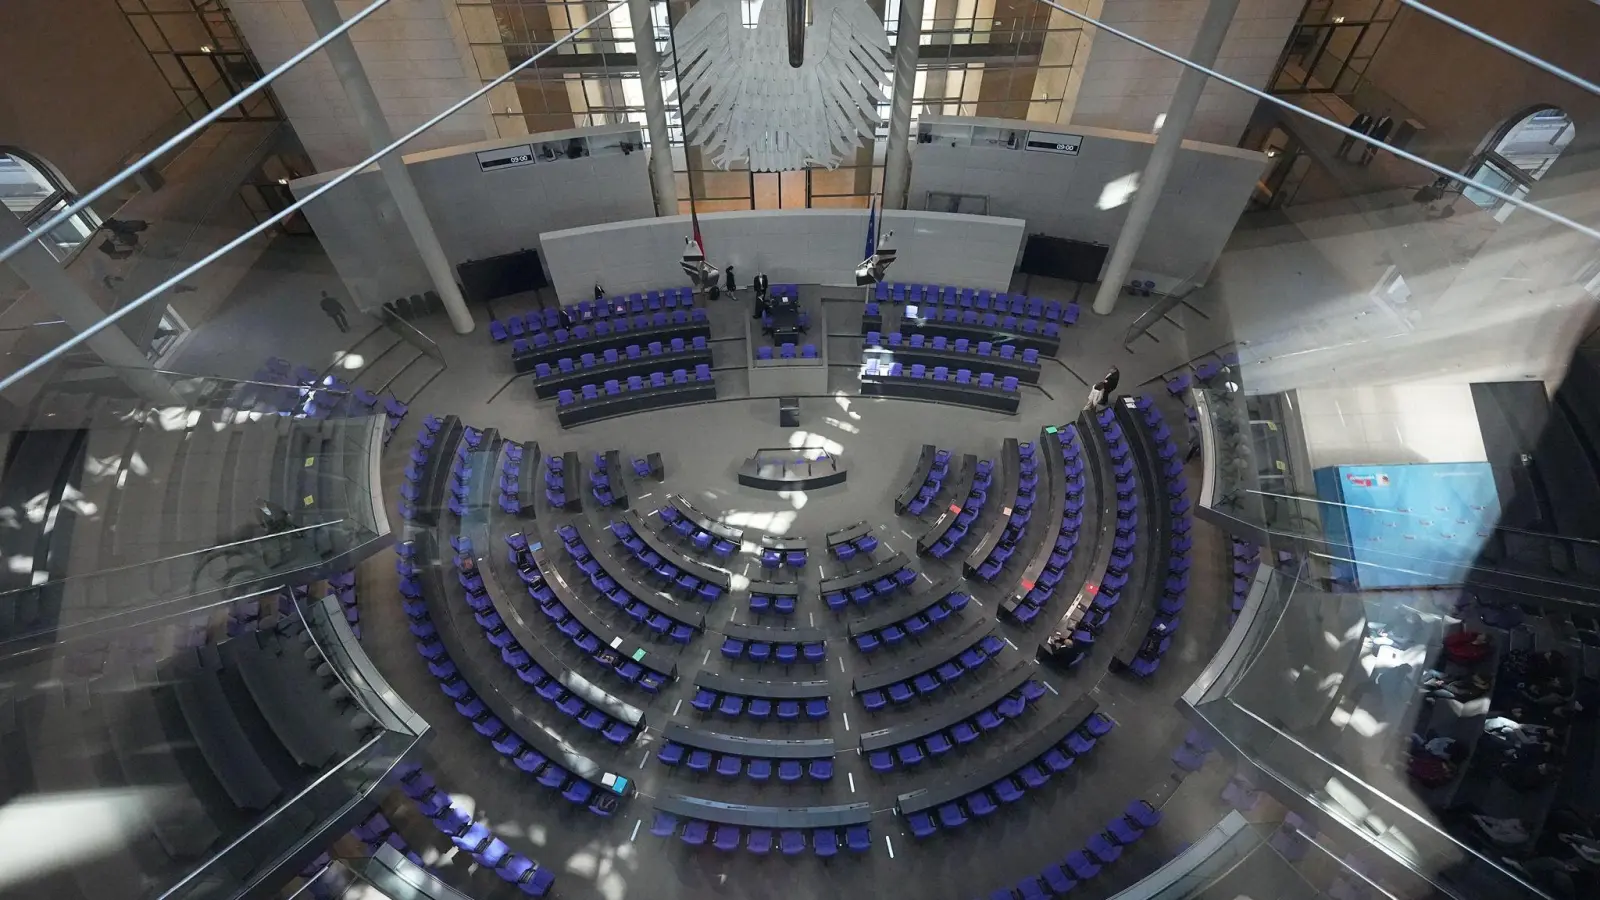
column 505, row 158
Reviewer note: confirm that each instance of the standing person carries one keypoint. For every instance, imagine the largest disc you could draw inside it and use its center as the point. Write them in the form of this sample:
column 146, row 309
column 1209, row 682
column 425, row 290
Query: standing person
column 759, row 287
column 1362, row 123
column 728, row 275
column 599, row 293
column 1100, row 394
column 335, row 310
column 1380, row 131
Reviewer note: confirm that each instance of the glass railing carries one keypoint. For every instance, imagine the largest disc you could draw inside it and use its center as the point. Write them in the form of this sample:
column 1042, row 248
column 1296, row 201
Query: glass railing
column 1320, row 706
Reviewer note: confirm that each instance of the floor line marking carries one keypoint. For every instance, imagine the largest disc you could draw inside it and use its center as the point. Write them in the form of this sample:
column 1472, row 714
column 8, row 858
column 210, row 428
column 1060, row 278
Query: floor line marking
column 846, row 721
column 636, row 824
column 812, row 618
column 852, row 777
column 977, row 601
column 1011, row 645
column 1052, row 688
column 841, row 664
column 678, row 707
column 645, row 759
column 707, row 658
column 890, row 844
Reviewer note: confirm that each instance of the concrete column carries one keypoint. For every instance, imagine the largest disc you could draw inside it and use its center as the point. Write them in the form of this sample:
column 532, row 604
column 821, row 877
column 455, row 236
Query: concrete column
column 364, row 103
column 1213, row 27
column 897, row 154
column 44, row 275
column 663, row 185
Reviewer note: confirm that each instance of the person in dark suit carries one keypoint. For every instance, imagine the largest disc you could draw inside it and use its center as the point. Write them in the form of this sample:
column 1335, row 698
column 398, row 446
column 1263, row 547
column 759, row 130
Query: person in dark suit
column 1103, row 390
column 727, row 274
column 1380, row 132
column 759, row 287
column 599, row 293
column 1362, row 123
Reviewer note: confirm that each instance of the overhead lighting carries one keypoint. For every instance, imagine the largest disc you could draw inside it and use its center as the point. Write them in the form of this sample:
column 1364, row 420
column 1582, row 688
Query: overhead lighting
column 205, row 48
column 1338, row 20
column 283, row 181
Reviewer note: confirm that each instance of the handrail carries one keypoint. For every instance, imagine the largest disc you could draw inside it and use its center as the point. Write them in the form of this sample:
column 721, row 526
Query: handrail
column 411, row 334
column 1305, row 498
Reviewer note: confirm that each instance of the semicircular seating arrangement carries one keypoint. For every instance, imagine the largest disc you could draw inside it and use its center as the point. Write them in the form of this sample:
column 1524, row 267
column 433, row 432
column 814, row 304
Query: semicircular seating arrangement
column 470, row 837
column 1142, row 650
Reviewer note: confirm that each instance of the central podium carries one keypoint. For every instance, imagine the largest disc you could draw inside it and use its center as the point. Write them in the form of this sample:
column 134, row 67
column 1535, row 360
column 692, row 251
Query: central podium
column 792, row 469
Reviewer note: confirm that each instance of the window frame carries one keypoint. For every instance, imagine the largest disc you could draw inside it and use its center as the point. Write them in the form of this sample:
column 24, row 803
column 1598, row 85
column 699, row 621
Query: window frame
column 61, row 195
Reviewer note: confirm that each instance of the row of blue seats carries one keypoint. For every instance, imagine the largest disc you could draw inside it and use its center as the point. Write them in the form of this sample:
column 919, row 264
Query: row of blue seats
column 939, row 471
column 700, row 539
column 1246, row 559
column 1165, row 624
column 576, row 790
column 976, row 298
column 861, row 594
column 895, row 341
column 1181, row 381
column 315, row 396
column 601, row 328
column 875, row 368
column 662, row 624
column 791, row 842
column 913, row 625
column 844, row 551
column 555, row 484
column 761, row 602
column 1102, row 849
column 674, row 577
column 968, row 660
column 613, row 387
column 550, row 319
column 988, row 719
column 1033, row 775
column 785, row 652
column 759, row 708
column 1066, row 539
column 600, row 481
column 1120, row 564
column 777, row 559
column 971, row 507
column 421, row 450
column 950, row 315
column 1021, row 507
column 731, row 765
column 627, row 669
column 612, row 356
column 472, row 837
column 787, row 350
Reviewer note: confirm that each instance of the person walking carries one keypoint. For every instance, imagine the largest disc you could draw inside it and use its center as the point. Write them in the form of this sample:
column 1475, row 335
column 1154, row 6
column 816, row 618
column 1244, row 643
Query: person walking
column 1380, row 132
column 1361, row 123
column 335, row 311
column 729, row 283
column 1100, row 394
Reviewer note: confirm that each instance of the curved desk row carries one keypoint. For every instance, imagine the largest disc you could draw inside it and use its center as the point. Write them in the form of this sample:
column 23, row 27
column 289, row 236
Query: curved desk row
column 724, row 683
column 929, row 658
column 776, row 588
column 781, row 817
column 773, row 635
column 960, row 488
column 567, row 593
column 1103, row 502
column 883, row 569
column 447, row 607
column 703, row 521
column 750, row 748
column 849, row 533
column 1024, row 372
column 1010, row 476
column 529, row 478
column 436, row 471
column 1052, row 486
column 594, row 537
column 608, row 406
column 973, row 778
column 950, row 714
column 899, row 612
column 675, row 555
column 918, row 477
column 1046, row 345
column 1156, row 525
column 617, row 340
column 547, row 387
column 785, row 543
column 950, row 393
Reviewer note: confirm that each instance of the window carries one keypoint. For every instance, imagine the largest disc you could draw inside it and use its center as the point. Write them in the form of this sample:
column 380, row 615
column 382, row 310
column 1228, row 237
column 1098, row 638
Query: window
column 1517, row 154
column 34, row 191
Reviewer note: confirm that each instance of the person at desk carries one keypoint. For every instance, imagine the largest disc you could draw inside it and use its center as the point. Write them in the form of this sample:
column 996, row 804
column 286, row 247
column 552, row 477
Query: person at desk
column 1101, row 393
column 1069, row 651
column 759, row 288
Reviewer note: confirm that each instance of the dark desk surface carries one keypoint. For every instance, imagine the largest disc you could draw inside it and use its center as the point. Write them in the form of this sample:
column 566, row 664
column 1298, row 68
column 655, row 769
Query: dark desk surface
column 1026, row 373
column 674, row 553
column 598, row 541
column 929, row 657
column 845, row 582
column 949, row 392
column 949, row 715
column 750, row 748
column 705, row 522
column 972, row 778
column 222, row 741
column 918, row 477
column 751, row 687
column 570, row 479
column 568, row 594
column 1052, row 490
column 773, row 635
column 436, row 472
column 281, row 704
column 771, row 542
column 530, row 477
column 607, row 406
column 1002, row 494
column 449, row 612
column 852, row 532
column 618, row 477
column 524, row 362
column 776, row 588
column 796, row 817
column 552, row 384
column 1155, row 520
column 960, row 488
column 1096, row 460
column 900, row 611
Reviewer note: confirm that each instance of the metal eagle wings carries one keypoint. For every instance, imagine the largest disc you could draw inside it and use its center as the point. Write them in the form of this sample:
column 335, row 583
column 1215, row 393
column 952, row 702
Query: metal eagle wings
column 743, row 100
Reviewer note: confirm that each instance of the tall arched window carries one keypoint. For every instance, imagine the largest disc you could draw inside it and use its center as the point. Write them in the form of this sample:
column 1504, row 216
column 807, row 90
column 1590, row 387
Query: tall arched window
column 34, row 190
column 1518, row 153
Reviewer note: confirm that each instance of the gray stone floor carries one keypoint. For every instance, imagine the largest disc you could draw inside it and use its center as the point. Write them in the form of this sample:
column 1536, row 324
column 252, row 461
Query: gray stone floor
column 702, row 447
